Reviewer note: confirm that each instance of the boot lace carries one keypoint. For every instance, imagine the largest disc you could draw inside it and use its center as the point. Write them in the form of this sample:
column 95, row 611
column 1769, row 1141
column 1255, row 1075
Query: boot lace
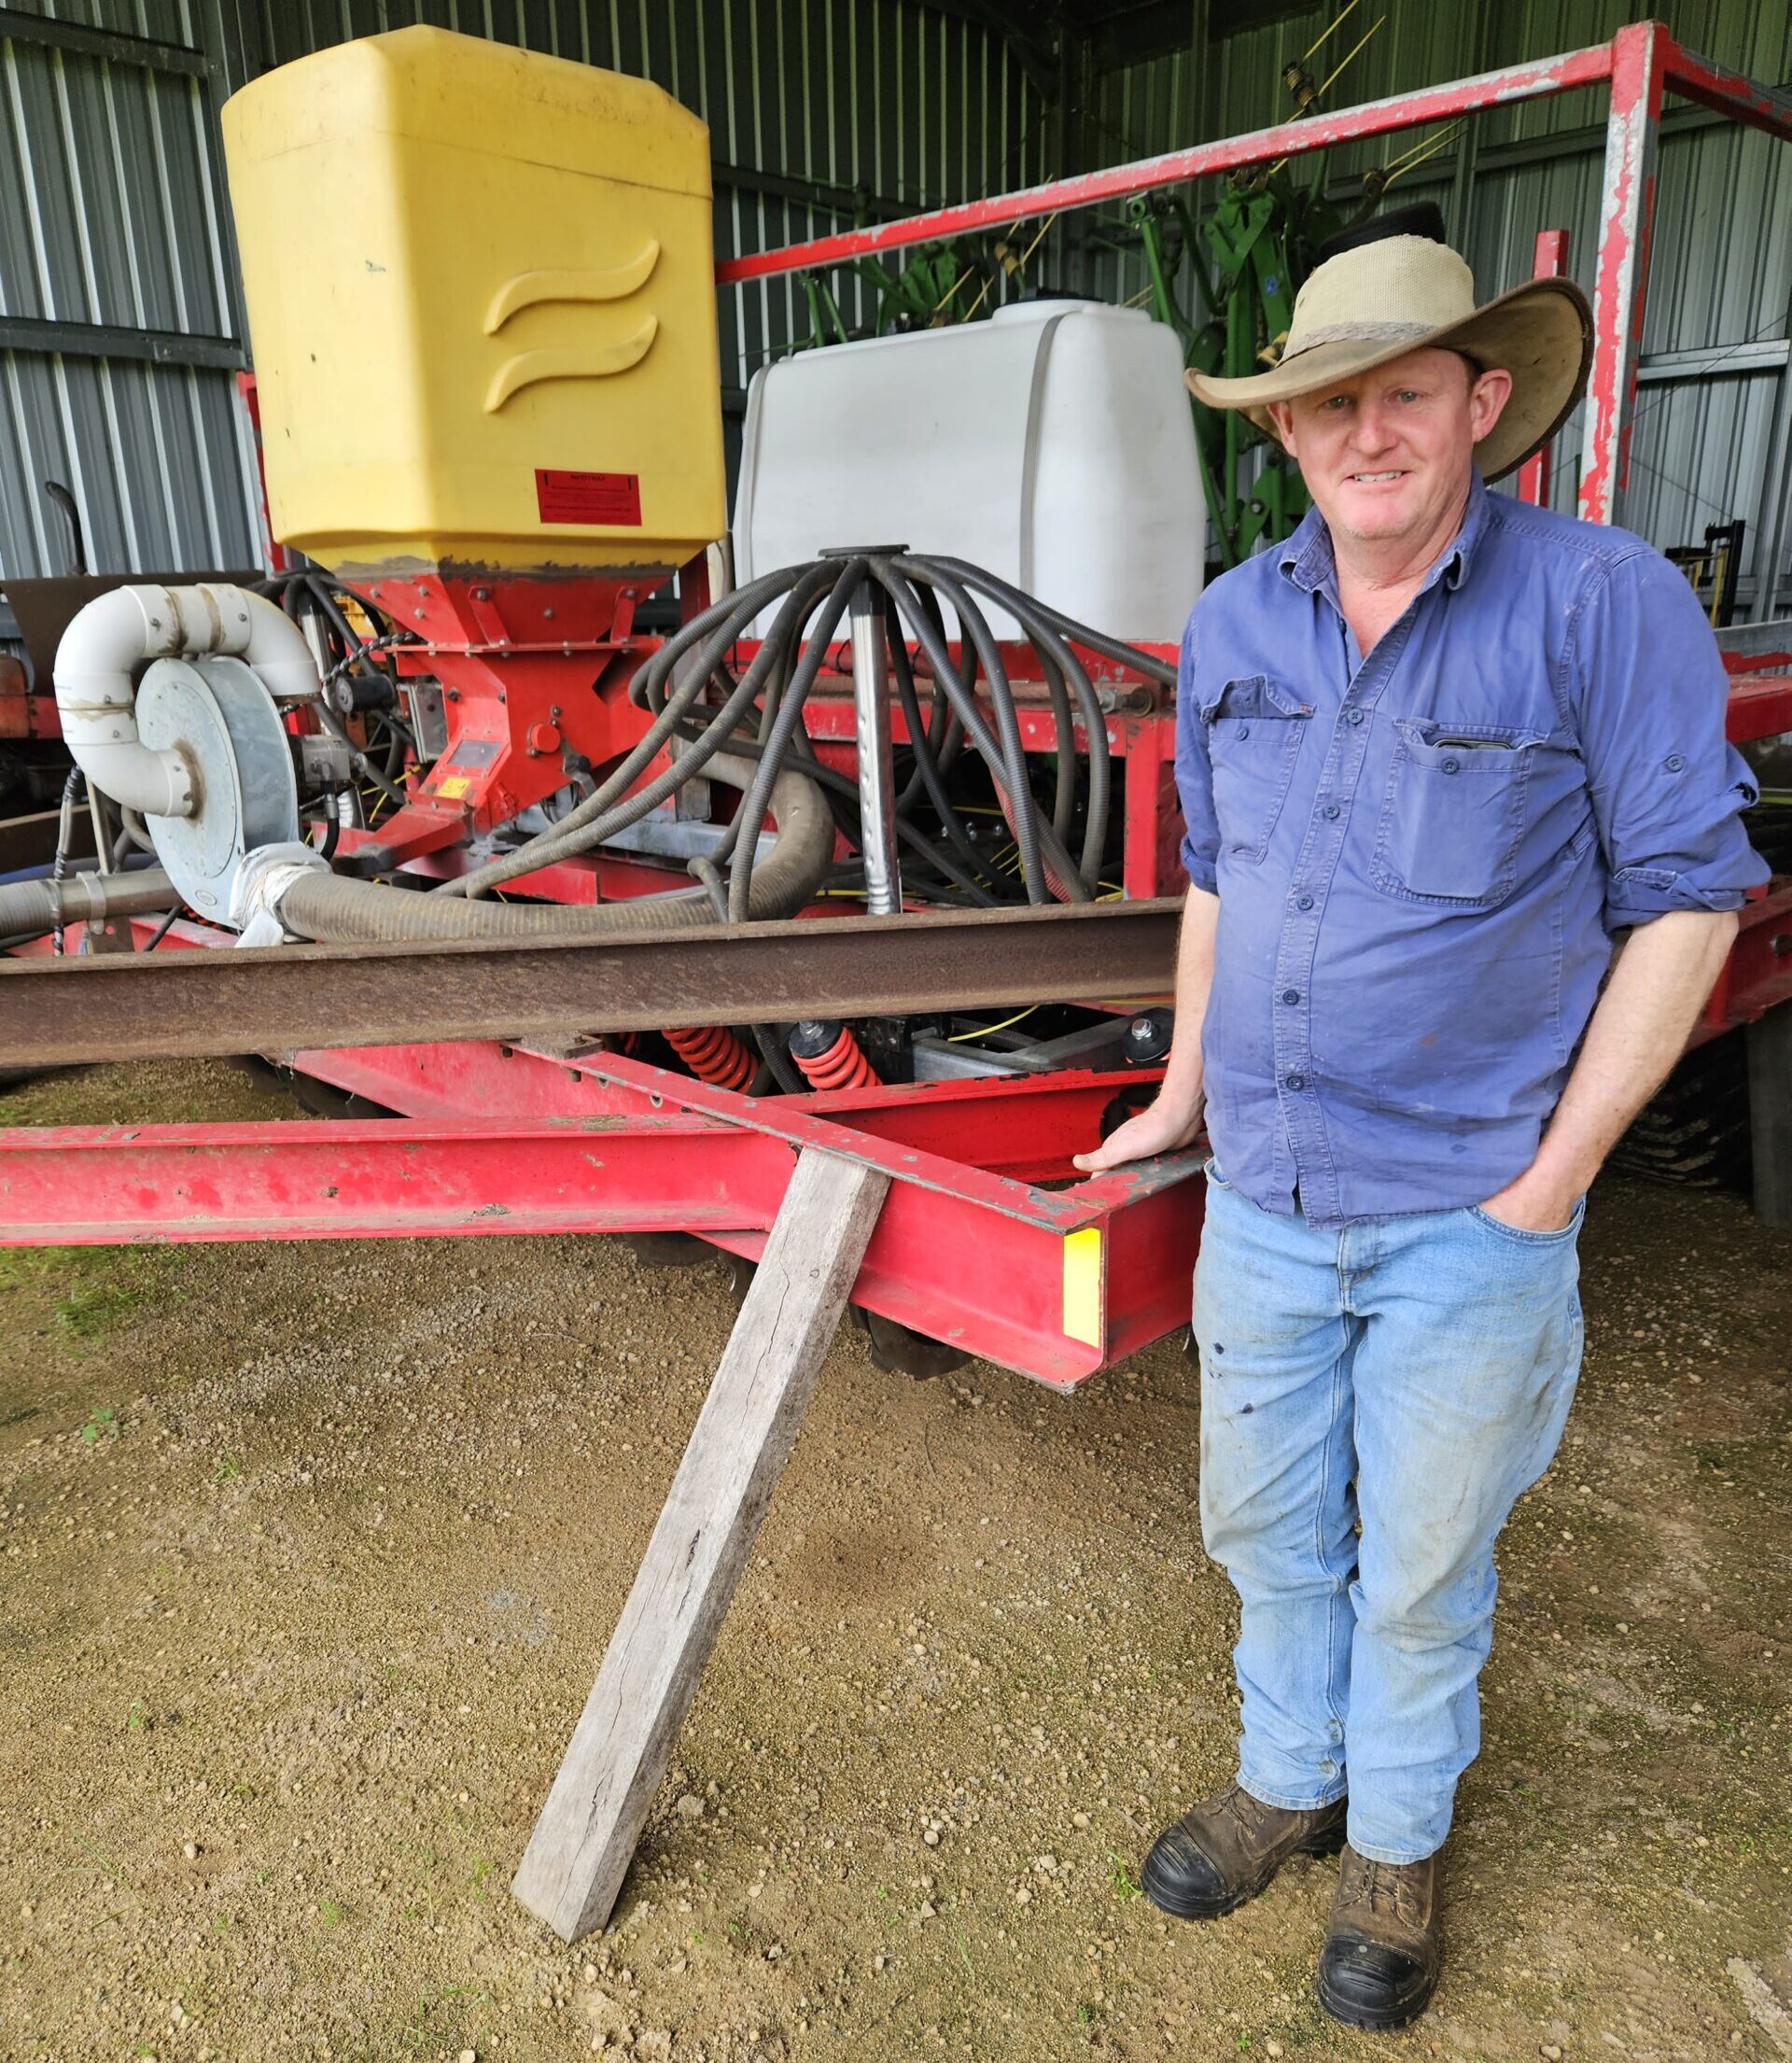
column 1250, row 1811
column 1391, row 1889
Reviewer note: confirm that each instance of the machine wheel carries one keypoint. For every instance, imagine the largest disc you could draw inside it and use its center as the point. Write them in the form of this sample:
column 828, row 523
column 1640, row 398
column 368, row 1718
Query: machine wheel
column 741, row 1275
column 901, row 1351
column 668, row 1249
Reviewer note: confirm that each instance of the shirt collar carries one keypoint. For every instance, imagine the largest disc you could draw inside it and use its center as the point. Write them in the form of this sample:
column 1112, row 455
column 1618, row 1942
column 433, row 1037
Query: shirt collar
column 1307, row 561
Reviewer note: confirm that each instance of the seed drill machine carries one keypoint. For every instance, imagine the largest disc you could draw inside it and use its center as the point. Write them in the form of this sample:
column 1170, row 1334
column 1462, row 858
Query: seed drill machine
column 806, row 893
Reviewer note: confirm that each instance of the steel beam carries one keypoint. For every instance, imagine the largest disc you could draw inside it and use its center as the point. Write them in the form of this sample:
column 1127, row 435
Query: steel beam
column 386, row 1178
column 1626, row 218
column 1288, row 139
column 1732, row 94
column 99, row 339
column 110, row 46
column 281, row 1000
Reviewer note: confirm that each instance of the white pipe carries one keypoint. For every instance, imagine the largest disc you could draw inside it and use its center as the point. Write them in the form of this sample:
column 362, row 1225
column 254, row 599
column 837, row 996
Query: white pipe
column 115, row 633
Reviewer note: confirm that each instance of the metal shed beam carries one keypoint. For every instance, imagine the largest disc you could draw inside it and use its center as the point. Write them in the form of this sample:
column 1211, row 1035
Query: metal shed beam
column 110, row 45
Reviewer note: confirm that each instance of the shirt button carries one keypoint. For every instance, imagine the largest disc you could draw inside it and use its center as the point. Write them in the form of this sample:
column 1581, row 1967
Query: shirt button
column 1673, row 763
column 1303, row 902
column 1330, row 810
column 1296, row 1081
column 1290, row 995
column 1356, row 716
column 1453, row 767
column 1244, row 730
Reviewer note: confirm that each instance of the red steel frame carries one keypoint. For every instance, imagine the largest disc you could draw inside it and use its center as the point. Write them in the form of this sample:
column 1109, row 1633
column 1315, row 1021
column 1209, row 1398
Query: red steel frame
column 973, row 1247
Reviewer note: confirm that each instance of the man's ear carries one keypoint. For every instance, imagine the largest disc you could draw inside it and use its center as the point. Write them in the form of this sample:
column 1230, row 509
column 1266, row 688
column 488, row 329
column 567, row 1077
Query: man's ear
column 1283, row 418
column 1486, row 399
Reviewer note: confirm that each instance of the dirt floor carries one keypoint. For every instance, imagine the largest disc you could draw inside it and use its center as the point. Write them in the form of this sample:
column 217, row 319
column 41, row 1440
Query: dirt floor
column 309, row 1553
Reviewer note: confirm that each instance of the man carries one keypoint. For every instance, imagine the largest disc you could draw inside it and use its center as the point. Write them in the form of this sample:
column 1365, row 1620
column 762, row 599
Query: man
column 1463, row 844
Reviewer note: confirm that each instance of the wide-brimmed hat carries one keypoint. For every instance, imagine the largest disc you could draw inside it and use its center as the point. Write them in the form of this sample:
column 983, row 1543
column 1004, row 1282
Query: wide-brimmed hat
column 1374, row 302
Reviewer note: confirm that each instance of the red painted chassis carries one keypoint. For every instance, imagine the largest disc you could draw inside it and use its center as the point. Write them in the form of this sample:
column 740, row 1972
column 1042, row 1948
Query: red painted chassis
column 986, row 1241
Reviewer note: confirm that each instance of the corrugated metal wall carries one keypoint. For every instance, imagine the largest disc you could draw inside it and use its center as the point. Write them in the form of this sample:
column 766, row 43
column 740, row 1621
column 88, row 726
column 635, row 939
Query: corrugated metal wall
column 119, row 316
column 120, row 319
column 1720, row 284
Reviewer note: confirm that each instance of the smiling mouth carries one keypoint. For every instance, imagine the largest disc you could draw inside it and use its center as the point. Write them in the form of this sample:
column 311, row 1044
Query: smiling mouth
column 1375, row 479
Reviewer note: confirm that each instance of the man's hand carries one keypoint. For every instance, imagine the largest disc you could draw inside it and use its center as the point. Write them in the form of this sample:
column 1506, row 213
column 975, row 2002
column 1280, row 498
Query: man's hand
column 1533, row 1205
column 1661, row 976
column 1162, row 1129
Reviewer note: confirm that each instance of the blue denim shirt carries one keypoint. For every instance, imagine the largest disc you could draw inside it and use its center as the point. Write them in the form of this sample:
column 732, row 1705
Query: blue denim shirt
column 1420, row 857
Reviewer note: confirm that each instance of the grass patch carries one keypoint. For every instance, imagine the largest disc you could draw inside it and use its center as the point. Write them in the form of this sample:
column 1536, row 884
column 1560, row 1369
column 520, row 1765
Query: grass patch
column 85, row 1293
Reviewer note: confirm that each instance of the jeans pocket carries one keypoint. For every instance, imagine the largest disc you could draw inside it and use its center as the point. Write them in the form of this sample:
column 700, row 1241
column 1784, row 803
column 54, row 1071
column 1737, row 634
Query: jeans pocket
column 1521, row 1236
column 1212, row 1170
column 1255, row 728
column 1453, row 815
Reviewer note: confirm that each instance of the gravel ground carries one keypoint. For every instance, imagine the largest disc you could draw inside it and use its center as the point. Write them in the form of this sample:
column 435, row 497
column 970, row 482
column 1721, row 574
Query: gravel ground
column 309, row 1553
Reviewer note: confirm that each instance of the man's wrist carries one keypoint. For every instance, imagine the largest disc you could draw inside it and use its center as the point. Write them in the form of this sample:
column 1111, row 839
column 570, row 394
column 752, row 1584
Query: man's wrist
column 1181, row 1094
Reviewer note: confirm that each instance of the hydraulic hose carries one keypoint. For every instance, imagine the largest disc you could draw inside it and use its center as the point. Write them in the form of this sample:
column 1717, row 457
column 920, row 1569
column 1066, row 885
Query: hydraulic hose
column 333, row 909
column 30, row 908
column 602, row 815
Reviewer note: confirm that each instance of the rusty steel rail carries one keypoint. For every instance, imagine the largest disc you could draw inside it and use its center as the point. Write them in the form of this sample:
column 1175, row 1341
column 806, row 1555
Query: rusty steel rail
column 209, row 1003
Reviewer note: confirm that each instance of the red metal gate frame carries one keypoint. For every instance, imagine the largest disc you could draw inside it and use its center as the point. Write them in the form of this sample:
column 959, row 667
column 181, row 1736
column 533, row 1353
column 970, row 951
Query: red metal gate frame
column 1055, row 1280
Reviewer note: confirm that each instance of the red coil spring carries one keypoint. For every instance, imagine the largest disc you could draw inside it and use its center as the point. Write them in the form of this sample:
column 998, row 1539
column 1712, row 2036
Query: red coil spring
column 713, row 1053
column 844, row 1065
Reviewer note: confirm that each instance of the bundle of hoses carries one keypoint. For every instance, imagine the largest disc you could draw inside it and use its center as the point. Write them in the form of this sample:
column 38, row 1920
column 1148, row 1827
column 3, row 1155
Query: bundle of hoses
column 702, row 715
column 749, row 734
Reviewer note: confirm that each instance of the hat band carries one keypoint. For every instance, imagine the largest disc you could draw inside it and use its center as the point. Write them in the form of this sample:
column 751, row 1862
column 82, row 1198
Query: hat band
column 1363, row 332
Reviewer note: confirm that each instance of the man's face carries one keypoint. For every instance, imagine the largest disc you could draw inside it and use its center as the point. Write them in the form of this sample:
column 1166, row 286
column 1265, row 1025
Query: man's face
column 1386, row 456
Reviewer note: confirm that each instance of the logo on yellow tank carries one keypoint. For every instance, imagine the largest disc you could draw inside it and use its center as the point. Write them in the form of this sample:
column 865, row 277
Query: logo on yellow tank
column 585, row 362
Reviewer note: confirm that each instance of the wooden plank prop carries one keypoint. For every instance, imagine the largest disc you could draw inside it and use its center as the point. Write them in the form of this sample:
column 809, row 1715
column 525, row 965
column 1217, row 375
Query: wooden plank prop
column 580, row 1851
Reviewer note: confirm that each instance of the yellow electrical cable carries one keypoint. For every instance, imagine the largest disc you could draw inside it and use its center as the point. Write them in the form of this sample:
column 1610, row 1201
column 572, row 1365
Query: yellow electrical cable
column 982, row 1030
column 1344, row 61
column 1024, row 257
column 1328, row 33
column 1422, row 149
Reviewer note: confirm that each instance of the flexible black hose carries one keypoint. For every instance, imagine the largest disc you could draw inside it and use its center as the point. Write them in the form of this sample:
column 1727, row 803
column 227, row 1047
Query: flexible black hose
column 592, row 820
column 1003, row 754
column 752, row 810
column 936, row 856
column 1022, row 605
column 1043, row 626
column 928, row 774
column 1044, row 859
column 65, row 833
column 770, row 1038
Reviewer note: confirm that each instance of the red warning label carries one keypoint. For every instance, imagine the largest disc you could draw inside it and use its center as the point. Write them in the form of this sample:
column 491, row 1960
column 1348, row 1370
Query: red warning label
column 605, row 498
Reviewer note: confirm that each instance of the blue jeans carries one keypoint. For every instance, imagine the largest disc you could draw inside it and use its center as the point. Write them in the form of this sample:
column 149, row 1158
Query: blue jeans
column 1374, row 1397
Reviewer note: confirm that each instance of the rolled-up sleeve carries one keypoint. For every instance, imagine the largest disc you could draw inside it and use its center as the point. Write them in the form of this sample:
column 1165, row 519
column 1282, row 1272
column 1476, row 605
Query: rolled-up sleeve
column 1194, row 773
column 1668, row 789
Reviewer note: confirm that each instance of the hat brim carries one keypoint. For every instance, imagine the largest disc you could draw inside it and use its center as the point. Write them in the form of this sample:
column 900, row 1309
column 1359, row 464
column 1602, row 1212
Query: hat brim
column 1541, row 332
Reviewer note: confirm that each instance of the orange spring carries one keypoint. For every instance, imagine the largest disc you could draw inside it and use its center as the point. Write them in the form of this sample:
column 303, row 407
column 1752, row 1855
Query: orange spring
column 713, row 1053
column 844, row 1065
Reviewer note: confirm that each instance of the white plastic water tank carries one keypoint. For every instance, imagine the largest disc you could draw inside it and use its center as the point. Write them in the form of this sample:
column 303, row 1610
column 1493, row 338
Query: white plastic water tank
column 1052, row 445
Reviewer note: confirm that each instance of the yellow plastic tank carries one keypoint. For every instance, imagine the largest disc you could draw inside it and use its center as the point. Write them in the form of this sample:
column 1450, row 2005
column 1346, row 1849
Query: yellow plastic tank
column 482, row 305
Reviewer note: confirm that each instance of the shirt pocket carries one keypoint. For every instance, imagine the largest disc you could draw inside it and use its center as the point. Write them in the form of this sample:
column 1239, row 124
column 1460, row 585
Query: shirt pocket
column 1255, row 728
column 1453, row 816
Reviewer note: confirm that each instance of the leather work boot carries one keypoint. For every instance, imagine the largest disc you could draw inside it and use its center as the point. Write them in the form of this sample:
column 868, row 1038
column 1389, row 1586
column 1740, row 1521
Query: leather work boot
column 1226, row 1850
column 1383, row 1946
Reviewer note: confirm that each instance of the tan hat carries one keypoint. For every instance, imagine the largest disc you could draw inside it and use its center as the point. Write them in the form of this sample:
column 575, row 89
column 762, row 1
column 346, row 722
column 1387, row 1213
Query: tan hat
column 1377, row 301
